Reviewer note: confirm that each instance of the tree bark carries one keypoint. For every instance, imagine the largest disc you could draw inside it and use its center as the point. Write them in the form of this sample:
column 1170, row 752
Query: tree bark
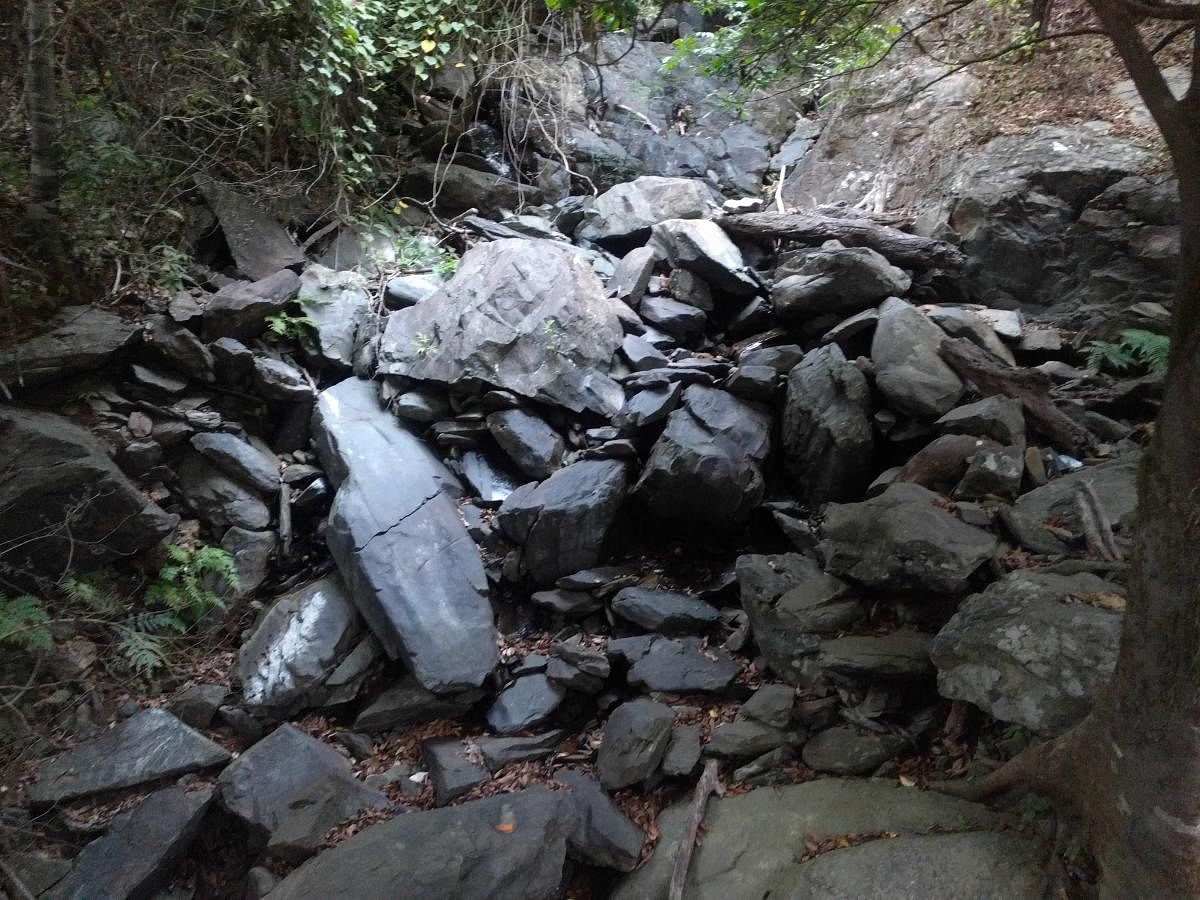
column 41, row 104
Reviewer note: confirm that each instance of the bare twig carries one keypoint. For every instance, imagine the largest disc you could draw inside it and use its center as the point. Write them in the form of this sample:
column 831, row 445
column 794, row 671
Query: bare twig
column 709, row 783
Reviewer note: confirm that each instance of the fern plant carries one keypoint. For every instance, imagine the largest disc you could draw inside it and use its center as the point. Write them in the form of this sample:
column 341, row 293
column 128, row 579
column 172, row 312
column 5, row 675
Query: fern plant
column 291, row 328
column 24, row 623
column 181, row 586
column 1136, row 347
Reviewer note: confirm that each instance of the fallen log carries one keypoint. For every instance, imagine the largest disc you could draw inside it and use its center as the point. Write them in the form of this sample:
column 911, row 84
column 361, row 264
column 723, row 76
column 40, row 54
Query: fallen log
column 902, row 249
column 709, row 783
column 993, row 376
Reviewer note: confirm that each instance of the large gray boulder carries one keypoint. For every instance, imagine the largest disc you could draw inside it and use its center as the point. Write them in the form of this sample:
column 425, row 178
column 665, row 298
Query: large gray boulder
column 296, row 646
column 217, row 499
column 908, row 370
column 827, row 437
column 258, row 243
column 700, row 246
column 239, row 459
column 629, row 210
column 77, row 339
column 526, row 315
column 1031, row 649
column 705, row 468
column 563, row 522
column 837, row 279
column 338, row 306
column 508, row 847
column 55, row 473
column 902, row 541
column 240, row 310
column 1114, row 482
column 400, row 544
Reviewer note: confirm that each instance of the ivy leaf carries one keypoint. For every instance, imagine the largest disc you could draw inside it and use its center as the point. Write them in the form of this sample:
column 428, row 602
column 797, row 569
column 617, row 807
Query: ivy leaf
column 428, row 46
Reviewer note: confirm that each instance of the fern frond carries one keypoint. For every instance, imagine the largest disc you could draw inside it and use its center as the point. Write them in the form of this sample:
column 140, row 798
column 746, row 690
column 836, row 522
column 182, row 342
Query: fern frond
column 1106, row 353
column 1150, row 349
column 24, row 623
column 143, row 652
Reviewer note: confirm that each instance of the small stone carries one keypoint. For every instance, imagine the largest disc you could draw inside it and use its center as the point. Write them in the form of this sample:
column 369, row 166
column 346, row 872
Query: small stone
column 198, row 703
column 525, row 703
column 683, row 752
column 760, row 766
column 635, row 739
column 500, row 751
column 452, row 773
column 771, row 704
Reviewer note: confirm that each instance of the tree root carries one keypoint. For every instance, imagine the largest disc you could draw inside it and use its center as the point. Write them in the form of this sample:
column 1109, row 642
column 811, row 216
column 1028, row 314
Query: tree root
column 1041, row 767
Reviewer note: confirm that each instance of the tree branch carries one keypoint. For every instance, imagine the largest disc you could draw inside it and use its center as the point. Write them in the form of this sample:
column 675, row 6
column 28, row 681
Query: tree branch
column 1122, row 30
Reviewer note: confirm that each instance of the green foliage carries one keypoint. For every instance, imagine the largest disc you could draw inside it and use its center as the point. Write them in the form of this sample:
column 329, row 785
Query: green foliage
column 291, row 328
column 418, row 253
column 181, row 586
column 24, row 623
column 1136, row 347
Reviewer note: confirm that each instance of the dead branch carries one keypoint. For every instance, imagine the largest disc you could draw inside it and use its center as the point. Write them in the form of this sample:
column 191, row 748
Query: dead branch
column 709, row 783
column 1097, row 528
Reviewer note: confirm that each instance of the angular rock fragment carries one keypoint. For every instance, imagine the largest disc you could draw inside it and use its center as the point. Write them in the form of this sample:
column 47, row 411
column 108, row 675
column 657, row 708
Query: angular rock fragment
column 635, row 739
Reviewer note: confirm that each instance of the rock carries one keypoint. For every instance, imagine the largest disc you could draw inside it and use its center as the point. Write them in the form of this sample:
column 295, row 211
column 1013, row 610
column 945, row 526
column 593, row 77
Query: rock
column 247, row 729
column 859, row 323
column 964, row 323
column 281, row 776
column 993, row 472
column 901, row 654
column 524, row 315
column 405, row 555
column 1115, row 483
column 452, row 772
column 178, row 348
column 534, row 447
column 635, row 739
column 836, row 279
column 408, row 703
column 753, row 383
column 705, row 468
column 741, row 858
column 143, row 381
column 150, row 745
column 37, row 871
column 251, row 552
column 679, row 320
column 296, row 646
column 1024, row 653
column 77, row 339
column 700, row 246
column 572, row 604
column 409, row 290
column 276, row 380
column 632, row 277
column 827, row 437
column 771, row 704
column 683, row 666
column 640, row 354
column 260, row 881
column 55, row 471
column 239, row 459
column 459, row 188
column 628, row 210
column 683, row 752
column 527, row 702
column 603, row 836
column 500, row 751
column 217, row 499
column 782, row 359
column 491, row 484
column 649, row 406
column 688, row 287
column 847, row 751
column 233, row 361
column 999, row 418
column 763, row 765
column 422, row 405
column 259, row 244
column 454, row 852
column 139, row 849
column 563, row 522
column 338, row 306
column 789, row 601
column 664, row 611
column 196, row 705
column 908, row 370
column 240, row 310
column 901, row 541
column 941, row 463
column 982, row 865
column 747, row 739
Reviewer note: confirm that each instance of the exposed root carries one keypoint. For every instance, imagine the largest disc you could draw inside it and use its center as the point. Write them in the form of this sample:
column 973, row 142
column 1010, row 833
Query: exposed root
column 1041, row 767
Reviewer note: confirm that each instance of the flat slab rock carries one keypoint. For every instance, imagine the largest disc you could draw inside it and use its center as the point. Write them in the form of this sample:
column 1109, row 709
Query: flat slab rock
column 147, row 746
column 508, row 847
column 678, row 666
column 741, row 858
column 403, row 550
column 78, row 339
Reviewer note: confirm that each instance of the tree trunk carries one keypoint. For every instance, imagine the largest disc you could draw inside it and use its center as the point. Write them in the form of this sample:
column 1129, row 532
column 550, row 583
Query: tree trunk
column 41, row 106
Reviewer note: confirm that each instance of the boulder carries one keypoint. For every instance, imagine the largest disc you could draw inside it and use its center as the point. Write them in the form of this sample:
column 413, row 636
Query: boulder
column 908, row 370
column 296, row 646
column 900, row 654
column 902, row 541
column 746, row 739
column 251, row 552
column 700, row 246
column 258, row 243
column 1114, row 482
column 667, row 612
column 77, row 339
column 681, row 666
column 460, row 188
column 239, row 459
column 771, row 704
column 525, row 315
column 603, row 836
column 451, row 769
column 627, row 211
column 278, row 380
column 635, row 739
column 836, row 279
column 197, row 704
column 683, row 752
column 508, row 847
column 408, row 703
column 403, row 550
column 54, row 471
column 240, row 310
column 844, row 750
column 1031, row 649
column 217, row 499
column 705, row 469
column 176, row 347
column 498, row 752
column 563, row 522
column 338, row 305
column 527, row 702
column 533, row 446
column 828, row 442
column 964, row 323
column 680, row 320
column 649, row 406
column 999, row 418
column 632, row 277
column 409, row 290
column 150, row 745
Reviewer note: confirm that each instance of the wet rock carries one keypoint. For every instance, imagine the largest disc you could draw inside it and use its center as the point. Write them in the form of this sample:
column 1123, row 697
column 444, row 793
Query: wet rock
column 747, row 739
column 902, row 541
column 338, row 306
column 563, row 522
column 534, row 447
column 217, row 499
column 836, row 279
column 500, row 751
column 196, row 705
column 422, row 405
column 405, row 555
column 603, row 836
column 453, row 773
column 628, row 210
column 240, row 310
column 827, row 437
column 901, row 654
column 137, row 852
column 1114, row 482
column 526, row 703
column 150, row 745
column 999, row 418
column 239, row 459
column 408, row 703
column 296, row 646
column 771, row 704
column 454, row 852
column 51, row 465
column 682, row 666
column 635, row 739
column 847, row 751
column 77, row 339
column 1022, row 654
column 683, row 752
column 700, row 246
column 667, row 612
column 524, row 315
column 908, row 370
column 491, row 484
